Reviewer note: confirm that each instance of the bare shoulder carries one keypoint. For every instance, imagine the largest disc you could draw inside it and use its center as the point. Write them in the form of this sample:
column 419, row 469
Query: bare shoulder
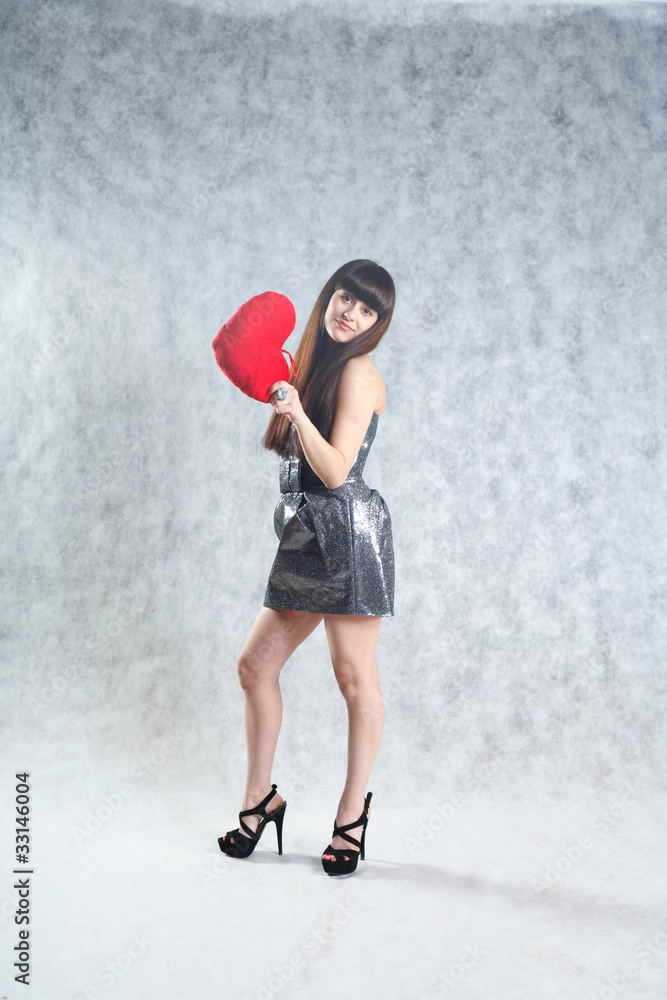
column 362, row 371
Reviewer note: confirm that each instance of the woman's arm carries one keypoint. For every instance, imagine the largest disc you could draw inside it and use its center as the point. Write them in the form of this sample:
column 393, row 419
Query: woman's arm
column 357, row 397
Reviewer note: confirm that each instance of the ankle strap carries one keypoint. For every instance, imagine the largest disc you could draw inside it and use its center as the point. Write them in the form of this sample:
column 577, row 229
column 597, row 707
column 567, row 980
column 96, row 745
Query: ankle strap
column 262, row 805
column 339, row 831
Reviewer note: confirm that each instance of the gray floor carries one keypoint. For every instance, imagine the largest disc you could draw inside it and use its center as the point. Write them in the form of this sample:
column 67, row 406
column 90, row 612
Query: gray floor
column 498, row 895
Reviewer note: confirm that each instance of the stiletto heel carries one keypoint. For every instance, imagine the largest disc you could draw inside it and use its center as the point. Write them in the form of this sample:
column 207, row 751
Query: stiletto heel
column 278, row 820
column 241, row 845
column 340, row 866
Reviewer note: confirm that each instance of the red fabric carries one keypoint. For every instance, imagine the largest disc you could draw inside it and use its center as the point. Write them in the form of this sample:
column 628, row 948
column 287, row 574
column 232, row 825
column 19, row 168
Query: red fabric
column 248, row 348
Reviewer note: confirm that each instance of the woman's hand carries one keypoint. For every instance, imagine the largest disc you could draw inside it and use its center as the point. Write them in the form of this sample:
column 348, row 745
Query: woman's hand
column 291, row 404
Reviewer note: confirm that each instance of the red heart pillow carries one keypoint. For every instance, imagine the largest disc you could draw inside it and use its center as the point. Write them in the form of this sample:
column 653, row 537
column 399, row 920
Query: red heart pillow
column 248, row 348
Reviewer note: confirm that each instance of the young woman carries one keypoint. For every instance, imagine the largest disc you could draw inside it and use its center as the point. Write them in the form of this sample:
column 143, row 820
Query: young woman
column 335, row 560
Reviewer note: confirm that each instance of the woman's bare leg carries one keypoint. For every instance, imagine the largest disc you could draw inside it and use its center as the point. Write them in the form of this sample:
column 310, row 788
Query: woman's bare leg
column 352, row 643
column 271, row 641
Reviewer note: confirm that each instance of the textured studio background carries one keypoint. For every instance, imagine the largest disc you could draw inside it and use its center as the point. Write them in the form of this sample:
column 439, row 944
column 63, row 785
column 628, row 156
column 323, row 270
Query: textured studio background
column 163, row 162
column 507, row 166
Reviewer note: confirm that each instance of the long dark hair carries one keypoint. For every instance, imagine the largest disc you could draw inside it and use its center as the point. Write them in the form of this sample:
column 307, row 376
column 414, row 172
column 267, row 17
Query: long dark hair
column 320, row 360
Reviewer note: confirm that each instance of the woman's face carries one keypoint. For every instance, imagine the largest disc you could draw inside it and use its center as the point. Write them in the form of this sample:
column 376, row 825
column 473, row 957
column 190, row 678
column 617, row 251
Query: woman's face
column 347, row 317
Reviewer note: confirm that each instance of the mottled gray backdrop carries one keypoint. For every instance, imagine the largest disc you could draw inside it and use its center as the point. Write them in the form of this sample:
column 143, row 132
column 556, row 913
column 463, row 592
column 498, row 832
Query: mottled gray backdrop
column 161, row 163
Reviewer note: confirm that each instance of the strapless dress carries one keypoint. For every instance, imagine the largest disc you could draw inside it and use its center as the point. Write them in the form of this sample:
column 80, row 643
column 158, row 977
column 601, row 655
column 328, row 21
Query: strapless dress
column 336, row 551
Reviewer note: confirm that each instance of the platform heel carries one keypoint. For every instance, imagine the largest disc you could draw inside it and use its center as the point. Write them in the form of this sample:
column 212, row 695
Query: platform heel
column 340, row 866
column 237, row 844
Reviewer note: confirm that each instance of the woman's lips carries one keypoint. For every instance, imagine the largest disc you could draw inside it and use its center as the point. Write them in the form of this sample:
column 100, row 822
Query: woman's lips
column 342, row 326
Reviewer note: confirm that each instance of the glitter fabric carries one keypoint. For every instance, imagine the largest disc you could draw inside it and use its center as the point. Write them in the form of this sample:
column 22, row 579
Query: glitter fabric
column 336, row 552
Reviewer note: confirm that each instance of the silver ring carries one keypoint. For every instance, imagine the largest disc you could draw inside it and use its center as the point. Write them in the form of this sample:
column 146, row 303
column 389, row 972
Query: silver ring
column 281, row 393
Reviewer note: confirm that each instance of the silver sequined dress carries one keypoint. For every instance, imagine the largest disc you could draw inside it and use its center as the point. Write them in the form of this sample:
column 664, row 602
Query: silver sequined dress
column 336, row 552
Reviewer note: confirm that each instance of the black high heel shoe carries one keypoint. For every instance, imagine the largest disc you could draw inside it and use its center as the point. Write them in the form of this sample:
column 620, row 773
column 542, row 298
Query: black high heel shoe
column 241, row 845
column 340, row 866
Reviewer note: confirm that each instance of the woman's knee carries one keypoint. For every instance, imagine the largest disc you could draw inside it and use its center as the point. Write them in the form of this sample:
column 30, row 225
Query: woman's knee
column 254, row 668
column 359, row 686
